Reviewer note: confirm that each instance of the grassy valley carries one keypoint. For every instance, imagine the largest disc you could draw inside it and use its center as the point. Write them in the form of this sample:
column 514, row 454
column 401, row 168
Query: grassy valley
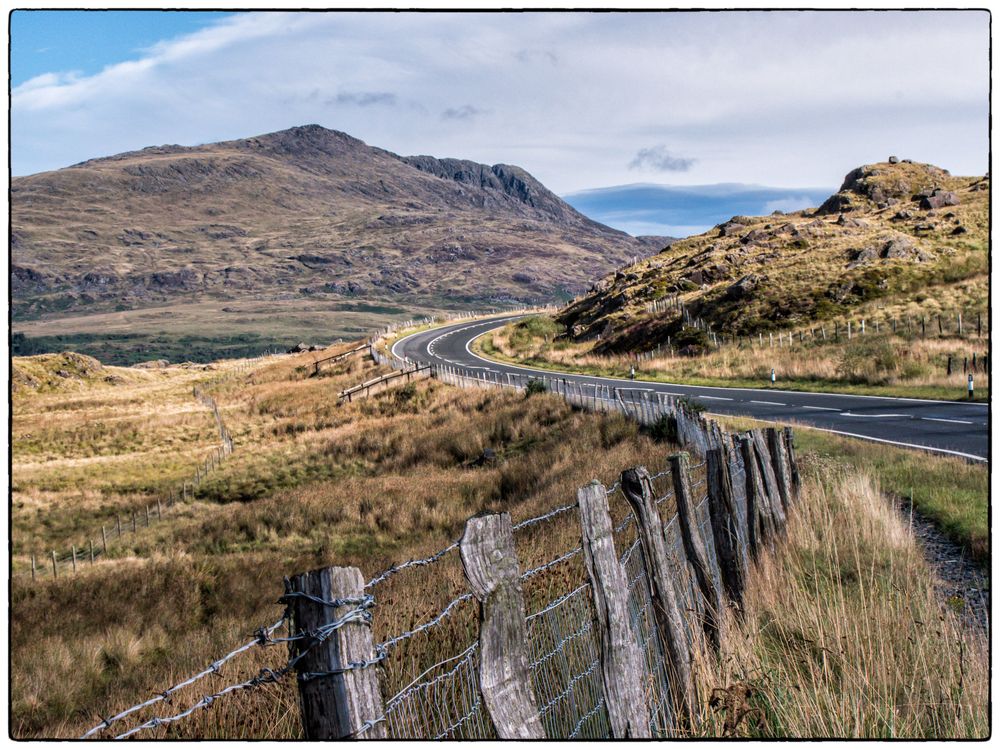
column 379, row 481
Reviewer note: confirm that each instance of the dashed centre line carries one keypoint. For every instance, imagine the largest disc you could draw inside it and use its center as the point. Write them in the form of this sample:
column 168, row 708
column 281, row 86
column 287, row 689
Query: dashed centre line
column 820, row 408
column 769, row 403
column 950, row 421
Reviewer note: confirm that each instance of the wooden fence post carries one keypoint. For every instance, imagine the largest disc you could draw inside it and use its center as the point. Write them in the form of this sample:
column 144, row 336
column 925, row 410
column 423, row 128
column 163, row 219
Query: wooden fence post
column 768, row 480
column 793, row 463
column 32, row 567
column 760, row 520
column 621, row 661
column 779, row 462
column 91, row 551
column 55, row 569
column 118, row 522
column 490, row 563
column 694, row 548
column 725, row 525
column 335, row 699
column 638, row 491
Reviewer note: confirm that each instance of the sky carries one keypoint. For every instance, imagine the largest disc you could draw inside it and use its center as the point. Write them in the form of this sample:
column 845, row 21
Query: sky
column 581, row 100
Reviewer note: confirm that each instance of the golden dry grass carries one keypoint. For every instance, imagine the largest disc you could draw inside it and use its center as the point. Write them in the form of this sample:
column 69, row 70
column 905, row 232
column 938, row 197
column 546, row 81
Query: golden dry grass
column 311, row 484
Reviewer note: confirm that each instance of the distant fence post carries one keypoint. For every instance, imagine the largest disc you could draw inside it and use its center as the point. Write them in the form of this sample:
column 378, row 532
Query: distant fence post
column 621, row 661
column 336, row 697
column 490, row 563
column 694, row 548
column 637, row 488
column 55, row 569
column 725, row 524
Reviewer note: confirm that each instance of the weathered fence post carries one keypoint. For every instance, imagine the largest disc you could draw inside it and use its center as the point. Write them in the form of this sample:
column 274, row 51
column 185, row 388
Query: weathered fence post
column 779, row 462
column 637, row 488
column 725, row 525
column 760, row 520
column 793, row 463
column 32, row 567
column 621, row 661
column 118, row 522
column 768, row 479
column 91, row 551
column 694, row 548
column 55, row 569
column 490, row 563
column 336, row 696
column 104, row 539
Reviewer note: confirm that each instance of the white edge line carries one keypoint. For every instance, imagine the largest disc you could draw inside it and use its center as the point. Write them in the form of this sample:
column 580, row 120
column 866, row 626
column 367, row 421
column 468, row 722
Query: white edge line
column 941, row 419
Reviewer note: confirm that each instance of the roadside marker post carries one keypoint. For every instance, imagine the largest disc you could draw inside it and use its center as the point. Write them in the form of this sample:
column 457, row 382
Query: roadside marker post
column 971, row 386
column 772, row 376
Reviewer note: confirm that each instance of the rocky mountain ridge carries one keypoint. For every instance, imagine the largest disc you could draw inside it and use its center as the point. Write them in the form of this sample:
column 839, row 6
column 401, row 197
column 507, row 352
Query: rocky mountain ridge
column 306, row 212
column 895, row 230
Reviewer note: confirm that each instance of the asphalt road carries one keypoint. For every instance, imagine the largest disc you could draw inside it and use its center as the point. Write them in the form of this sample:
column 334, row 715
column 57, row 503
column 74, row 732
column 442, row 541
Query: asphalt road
column 955, row 428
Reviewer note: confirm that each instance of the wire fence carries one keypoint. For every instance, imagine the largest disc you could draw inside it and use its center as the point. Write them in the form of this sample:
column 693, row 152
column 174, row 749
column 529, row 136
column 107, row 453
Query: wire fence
column 429, row 671
column 133, row 520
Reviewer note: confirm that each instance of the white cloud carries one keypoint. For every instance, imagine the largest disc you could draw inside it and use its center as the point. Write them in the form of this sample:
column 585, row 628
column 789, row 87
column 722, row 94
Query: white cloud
column 776, row 98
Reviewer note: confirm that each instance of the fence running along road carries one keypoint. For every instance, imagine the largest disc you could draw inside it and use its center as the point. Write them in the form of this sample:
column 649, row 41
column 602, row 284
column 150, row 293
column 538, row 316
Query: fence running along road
column 953, row 428
column 597, row 641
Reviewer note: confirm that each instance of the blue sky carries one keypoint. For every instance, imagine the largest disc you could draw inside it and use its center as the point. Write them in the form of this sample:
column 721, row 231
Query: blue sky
column 88, row 41
column 582, row 101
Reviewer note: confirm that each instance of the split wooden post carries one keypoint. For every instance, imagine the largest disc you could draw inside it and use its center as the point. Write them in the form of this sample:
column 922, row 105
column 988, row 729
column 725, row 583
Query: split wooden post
column 55, row 569
column 621, row 660
column 694, row 548
column 490, row 563
column 335, row 699
column 793, row 463
column 768, row 479
column 779, row 463
column 637, row 488
column 760, row 520
column 725, row 525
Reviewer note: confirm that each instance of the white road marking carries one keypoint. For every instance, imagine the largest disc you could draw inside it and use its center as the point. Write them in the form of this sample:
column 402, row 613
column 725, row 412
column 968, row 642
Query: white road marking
column 821, row 408
column 769, row 403
column 872, row 416
column 951, row 421
column 716, row 398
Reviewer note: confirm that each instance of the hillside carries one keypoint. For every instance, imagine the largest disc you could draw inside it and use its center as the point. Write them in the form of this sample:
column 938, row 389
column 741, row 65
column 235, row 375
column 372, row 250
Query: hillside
column 895, row 231
column 305, row 213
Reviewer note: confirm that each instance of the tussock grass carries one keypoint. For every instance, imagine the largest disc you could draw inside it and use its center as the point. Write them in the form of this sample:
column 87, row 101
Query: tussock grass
column 842, row 634
column 368, row 484
column 873, row 364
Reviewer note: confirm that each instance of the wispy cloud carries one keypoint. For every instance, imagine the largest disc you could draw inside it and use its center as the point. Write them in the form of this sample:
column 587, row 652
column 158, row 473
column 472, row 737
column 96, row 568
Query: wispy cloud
column 659, row 159
column 578, row 99
column 366, row 98
column 465, row 112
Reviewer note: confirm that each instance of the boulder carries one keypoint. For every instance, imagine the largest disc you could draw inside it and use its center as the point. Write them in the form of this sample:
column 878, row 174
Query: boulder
column 299, row 348
column 743, row 288
column 959, row 230
column 894, row 160
column 938, row 198
column 153, row 364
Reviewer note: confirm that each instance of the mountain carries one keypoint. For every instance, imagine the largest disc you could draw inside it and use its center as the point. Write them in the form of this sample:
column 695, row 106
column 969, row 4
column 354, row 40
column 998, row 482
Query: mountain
column 683, row 210
column 895, row 231
column 307, row 213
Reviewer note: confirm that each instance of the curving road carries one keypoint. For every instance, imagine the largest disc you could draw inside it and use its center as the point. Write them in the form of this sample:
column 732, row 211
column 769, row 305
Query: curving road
column 955, row 428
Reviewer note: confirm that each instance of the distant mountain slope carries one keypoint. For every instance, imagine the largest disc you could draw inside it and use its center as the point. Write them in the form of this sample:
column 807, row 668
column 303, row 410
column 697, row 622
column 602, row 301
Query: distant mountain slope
column 896, row 231
column 305, row 211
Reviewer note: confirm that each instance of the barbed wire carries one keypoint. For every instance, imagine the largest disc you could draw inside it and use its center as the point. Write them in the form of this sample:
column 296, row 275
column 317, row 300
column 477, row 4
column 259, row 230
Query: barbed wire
column 386, row 645
column 544, row 517
column 551, row 564
column 261, row 638
column 393, row 569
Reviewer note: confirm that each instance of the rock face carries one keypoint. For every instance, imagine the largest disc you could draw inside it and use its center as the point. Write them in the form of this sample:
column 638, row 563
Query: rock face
column 754, row 274
column 305, row 207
